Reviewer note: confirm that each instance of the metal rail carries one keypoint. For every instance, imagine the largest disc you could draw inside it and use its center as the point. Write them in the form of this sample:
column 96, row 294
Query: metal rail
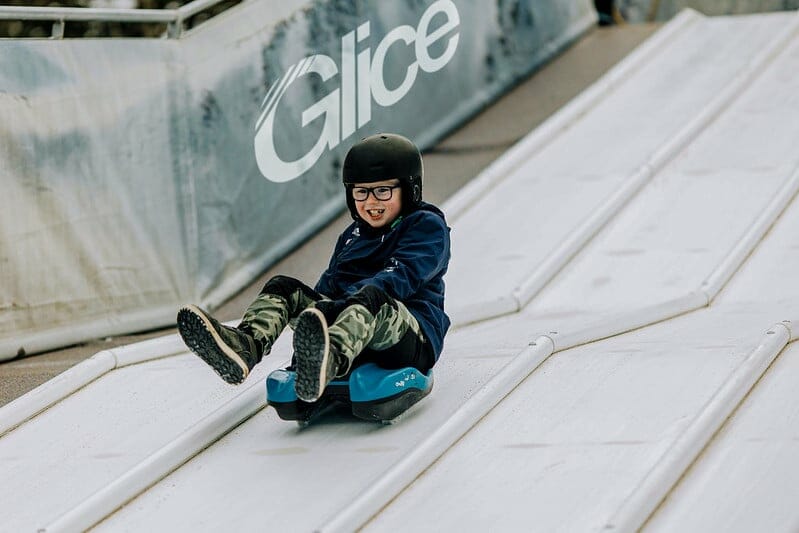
column 173, row 18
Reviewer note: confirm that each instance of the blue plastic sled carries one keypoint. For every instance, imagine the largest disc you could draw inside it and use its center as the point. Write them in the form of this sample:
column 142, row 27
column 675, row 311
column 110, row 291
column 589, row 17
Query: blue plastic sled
column 373, row 393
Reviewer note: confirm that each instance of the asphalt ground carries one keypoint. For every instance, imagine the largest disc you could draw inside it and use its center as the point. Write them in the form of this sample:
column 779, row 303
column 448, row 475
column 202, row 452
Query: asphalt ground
column 454, row 161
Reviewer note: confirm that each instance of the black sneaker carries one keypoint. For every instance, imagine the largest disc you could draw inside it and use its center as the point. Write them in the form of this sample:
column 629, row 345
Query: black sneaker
column 229, row 351
column 316, row 360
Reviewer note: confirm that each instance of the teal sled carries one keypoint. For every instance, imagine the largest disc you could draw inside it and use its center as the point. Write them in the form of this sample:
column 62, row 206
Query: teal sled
column 373, row 393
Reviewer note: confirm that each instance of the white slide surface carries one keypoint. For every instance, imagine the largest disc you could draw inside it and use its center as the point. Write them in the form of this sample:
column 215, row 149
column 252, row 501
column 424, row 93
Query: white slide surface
column 626, row 303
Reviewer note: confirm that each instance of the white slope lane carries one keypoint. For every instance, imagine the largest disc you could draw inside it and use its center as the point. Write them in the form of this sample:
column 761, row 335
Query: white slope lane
column 694, row 221
column 83, row 443
column 571, row 446
column 271, row 475
column 746, row 477
column 554, row 202
column 566, row 449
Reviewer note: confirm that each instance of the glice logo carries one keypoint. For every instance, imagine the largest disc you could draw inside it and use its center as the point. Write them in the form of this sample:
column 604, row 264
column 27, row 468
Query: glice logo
column 362, row 80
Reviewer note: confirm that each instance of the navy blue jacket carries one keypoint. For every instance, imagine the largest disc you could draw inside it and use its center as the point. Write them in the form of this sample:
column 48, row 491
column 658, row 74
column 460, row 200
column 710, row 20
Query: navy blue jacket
column 407, row 260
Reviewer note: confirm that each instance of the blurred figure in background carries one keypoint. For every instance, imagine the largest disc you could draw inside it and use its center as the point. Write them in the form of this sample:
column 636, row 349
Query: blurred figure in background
column 608, row 12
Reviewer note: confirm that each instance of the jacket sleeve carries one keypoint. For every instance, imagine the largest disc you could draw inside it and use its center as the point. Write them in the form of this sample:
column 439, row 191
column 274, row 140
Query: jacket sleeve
column 421, row 253
column 324, row 285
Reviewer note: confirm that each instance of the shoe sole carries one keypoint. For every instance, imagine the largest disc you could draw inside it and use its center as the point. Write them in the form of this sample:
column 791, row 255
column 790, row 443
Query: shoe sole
column 202, row 338
column 311, row 351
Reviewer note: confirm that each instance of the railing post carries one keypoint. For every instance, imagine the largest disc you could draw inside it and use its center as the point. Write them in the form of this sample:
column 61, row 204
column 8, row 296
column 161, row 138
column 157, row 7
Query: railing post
column 58, row 29
column 175, row 28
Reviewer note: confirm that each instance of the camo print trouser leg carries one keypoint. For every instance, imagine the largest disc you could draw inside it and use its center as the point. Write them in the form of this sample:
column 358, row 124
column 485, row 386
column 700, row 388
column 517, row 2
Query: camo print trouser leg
column 380, row 328
column 280, row 302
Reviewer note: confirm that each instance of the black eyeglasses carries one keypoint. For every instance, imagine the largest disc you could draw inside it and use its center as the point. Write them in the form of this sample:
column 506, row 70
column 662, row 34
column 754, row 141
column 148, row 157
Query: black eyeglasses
column 383, row 192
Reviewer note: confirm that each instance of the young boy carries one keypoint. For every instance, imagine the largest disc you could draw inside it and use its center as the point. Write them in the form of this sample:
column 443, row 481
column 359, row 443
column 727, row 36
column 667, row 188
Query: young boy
column 380, row 300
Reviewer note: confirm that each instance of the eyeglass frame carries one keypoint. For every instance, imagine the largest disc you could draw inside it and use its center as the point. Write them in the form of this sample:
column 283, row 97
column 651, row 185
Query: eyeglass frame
column 373, row 192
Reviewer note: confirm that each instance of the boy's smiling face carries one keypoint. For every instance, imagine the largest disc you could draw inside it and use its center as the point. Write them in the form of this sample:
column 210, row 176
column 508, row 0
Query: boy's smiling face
column 374, row 211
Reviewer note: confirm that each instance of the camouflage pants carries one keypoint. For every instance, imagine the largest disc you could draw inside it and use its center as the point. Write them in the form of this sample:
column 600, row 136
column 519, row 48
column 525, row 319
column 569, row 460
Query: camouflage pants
column 369, row 325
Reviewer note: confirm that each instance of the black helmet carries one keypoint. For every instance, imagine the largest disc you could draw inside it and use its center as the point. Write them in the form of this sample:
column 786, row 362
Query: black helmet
column 381, row 157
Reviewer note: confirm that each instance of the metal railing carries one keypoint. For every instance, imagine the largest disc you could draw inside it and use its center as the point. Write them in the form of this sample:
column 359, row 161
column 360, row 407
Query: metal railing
column 173, row 18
